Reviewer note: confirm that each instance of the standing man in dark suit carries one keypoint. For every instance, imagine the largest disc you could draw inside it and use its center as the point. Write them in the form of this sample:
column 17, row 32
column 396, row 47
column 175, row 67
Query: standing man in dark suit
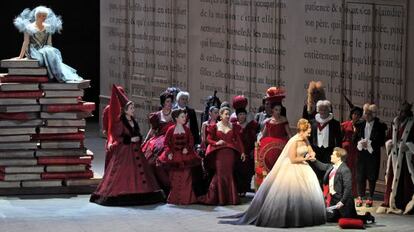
column 369, row 137
column 182, row 103
column 326, row 134
column 337, row 182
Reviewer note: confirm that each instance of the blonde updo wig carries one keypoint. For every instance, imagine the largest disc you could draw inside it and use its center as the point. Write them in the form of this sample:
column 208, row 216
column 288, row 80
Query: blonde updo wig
column 223, row 109
column 303, row 125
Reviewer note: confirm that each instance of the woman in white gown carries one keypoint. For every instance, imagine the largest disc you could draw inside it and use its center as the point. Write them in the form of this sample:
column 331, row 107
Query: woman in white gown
column 290, row 195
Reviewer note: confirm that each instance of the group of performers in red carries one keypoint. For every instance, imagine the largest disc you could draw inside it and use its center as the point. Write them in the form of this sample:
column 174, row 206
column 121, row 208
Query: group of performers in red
column 182, row 165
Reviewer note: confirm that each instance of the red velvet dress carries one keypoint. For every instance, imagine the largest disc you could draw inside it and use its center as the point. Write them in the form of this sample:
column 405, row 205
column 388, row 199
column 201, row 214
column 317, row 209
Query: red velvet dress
column 245, row 170
column 180, row 166
column 221, row 159
column 154, row 147
column 128, row 179
column 271, row 145
column 351, row 159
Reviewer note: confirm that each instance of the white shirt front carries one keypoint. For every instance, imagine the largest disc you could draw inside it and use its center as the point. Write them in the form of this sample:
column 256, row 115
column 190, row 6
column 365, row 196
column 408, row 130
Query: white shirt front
column 331, row 180
column 323, row 135
column 368, row 129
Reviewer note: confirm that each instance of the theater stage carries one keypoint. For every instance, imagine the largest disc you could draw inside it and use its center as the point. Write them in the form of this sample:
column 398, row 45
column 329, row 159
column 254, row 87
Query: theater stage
column 69, row 213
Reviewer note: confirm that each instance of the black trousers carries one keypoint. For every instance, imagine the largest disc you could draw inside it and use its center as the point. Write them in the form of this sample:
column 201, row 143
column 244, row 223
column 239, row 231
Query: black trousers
column 368, row 166
column 347, row 211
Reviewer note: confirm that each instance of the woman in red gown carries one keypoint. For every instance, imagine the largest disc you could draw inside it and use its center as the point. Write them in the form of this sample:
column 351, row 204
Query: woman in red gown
column 348, row 130
column 180, row 157
column 128, row 179
column 275, row 134
column 153, row 146
column 248, row 132
column 213, row 116
column 225, row 146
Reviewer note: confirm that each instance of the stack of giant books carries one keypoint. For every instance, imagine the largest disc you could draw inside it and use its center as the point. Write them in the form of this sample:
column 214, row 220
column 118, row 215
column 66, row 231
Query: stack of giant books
column 42, row 132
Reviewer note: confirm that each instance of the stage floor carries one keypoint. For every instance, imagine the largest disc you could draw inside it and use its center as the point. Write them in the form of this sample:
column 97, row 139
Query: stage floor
column 70, row 213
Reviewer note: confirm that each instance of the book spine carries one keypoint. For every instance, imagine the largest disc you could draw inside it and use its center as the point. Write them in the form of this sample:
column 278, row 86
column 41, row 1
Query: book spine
column 21, row 94
column 74, row 136
column 24, row 79
column 64, row 160
column 67, row 175
column 85, row 107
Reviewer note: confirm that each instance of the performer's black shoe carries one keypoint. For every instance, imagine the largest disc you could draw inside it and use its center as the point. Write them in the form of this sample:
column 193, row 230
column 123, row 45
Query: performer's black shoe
column 369, row 218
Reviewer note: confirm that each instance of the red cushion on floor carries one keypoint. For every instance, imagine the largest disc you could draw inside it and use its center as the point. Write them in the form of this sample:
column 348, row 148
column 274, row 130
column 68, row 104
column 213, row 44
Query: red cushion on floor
column 351, row 223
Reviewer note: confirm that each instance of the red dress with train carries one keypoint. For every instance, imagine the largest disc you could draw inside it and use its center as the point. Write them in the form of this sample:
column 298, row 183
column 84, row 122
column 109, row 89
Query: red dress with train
column 180, row 165
column 128, row 179
column 351, row 160
column 221, row 159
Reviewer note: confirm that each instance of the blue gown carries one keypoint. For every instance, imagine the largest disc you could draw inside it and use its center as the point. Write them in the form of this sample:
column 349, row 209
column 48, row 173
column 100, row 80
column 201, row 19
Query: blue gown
column 40, row 47
column 50, row 57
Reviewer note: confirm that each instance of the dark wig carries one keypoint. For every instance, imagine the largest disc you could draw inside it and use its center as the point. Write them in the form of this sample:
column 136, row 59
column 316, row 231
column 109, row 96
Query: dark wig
column 164, row 96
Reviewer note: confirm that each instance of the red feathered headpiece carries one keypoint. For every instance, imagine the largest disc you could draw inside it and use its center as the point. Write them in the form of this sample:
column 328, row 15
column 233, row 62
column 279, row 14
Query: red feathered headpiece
column 275, row 94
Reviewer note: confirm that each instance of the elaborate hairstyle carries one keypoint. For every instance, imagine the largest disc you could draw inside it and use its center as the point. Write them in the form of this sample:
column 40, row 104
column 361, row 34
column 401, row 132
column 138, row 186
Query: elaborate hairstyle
column 372, row 108
column 210, row 101
column 341, row 153
column 315, row 93
column 23, row 22
column 176, row 112
column 225, row 104
column 41, row 9
column 222, row 109
column 182, row 94
column 303, row 125
column 323, row 103
column 212, row 108
column 173, row 90
column 164, row 97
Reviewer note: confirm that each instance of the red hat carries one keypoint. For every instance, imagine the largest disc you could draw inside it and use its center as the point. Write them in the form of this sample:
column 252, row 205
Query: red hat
column 275, row 94
column 117, row 101
column 239, row 102
column 121, row 95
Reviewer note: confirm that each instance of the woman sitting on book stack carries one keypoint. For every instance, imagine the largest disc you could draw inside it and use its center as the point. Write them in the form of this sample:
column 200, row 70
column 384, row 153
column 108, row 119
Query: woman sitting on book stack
column 38, row 26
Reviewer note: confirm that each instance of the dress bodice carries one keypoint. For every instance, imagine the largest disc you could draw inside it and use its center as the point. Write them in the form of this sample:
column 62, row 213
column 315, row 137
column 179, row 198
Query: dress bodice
column 276, row 130
column 39, row 39
column 180, row 141
column 228, row 137
column 301, row 150
column 160, row 123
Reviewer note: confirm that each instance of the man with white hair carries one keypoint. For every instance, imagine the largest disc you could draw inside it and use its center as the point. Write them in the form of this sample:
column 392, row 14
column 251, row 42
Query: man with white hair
column 399, row 179
column 326, row 134
column 182, row 103
column 369, row 137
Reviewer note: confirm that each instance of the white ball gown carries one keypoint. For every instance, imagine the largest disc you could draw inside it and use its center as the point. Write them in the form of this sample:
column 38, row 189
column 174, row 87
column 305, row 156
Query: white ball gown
column 290, row 196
